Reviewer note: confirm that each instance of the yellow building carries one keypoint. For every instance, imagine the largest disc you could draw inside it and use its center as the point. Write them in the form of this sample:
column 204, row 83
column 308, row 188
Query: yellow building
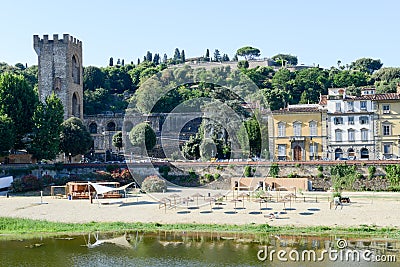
column 387, row 132
column 298, row 132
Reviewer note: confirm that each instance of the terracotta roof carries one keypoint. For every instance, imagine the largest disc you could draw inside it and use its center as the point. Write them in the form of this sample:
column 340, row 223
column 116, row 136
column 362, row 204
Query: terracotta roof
column 300, row 109
column 387, row 96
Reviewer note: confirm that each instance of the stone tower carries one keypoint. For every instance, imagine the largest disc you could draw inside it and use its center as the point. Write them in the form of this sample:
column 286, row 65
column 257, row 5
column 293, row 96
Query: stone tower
column 60, row 71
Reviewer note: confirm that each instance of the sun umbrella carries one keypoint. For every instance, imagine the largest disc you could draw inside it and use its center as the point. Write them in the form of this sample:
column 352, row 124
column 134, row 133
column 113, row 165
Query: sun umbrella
column 197, row 195
column 235, row 200
column 211, row 200
column 174, row 196
column 259, row 200
column 242, row 195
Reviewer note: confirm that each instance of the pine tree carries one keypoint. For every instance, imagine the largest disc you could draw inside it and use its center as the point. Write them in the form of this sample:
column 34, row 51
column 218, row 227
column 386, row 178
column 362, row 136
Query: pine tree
column 165, row 59
column 225, row 57
column 111, row 62
column 149, row 56
column 177, row 55
column 183, row 59
column 138, row 61
column 207, row 55
column 156, row 59
column 217, row 56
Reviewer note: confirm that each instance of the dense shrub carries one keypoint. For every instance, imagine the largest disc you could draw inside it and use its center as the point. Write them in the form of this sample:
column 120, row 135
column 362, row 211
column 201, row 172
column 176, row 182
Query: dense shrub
column 394, row 188
column 274, row 170
column 26, row 183
column 208, row 177
column 123, row 176
column 371, row 171
column 47, row 180
column 154, row 184
column 248, row 171
column 164, row 170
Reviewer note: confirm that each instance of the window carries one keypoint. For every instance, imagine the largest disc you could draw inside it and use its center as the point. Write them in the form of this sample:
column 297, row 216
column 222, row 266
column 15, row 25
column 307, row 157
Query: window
column 351, row 120
column 313, row 151
column 338, row 153
column 76, row 76
column 363, row 105
column 364, row 153
column 351, row 135
column 387, row 148
column 93, row 128
column 111, row 126
column 364, row 135
column 338, row 107
column 338, row 135
column 338, row 120
column 313, row 128
column 350, row 106
column 386, row 129
column 364, row 120
column 297, row 129
column 386, row 109
column 281, row 129
column 281, row 150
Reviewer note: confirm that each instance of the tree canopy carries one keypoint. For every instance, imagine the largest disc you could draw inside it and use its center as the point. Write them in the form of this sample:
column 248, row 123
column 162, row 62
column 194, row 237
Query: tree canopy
column 143, row 137
column 285, row 59
column 75, row 138
column 18, row 102
column 248, row 52
column 47, row 121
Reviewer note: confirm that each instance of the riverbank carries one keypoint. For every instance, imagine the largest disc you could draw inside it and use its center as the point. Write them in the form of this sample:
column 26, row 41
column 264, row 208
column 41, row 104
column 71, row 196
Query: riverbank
column 16, row 227
column 367, row 214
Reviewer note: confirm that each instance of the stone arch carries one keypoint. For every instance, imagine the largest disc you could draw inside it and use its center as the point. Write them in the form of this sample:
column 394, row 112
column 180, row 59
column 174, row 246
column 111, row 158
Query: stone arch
column 93, row 128
column 364, row 153
column 111, row 126
column 338, row 153
column 76, row 70
column 76, row 106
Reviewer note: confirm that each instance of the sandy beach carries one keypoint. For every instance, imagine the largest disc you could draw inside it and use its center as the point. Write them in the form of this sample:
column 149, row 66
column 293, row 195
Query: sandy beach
column 365, row 209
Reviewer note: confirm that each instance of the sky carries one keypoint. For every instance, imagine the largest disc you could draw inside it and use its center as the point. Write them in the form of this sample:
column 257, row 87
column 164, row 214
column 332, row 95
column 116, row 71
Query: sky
column 317, row 32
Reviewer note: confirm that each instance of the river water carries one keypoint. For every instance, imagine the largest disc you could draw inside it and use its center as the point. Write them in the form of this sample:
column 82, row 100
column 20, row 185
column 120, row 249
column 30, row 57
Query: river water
column 197, row 249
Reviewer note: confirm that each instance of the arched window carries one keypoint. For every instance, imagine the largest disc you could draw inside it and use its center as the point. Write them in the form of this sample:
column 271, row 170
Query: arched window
column 76, row 70
column 111, row 126
column 93, row 128
column 338, row 153
column 75, row 105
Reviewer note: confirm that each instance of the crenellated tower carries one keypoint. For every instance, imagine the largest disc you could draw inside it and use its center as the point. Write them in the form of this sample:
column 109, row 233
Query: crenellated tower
column 60, row 71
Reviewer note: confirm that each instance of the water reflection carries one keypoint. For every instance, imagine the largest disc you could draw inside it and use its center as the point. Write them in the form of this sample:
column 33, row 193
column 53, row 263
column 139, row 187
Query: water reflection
column 179, row 249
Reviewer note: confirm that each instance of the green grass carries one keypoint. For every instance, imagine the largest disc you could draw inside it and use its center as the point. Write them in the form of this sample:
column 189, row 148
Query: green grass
column 31, row 228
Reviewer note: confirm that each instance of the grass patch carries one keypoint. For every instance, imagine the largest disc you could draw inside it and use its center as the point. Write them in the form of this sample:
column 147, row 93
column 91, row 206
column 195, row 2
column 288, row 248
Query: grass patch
column 28, row 227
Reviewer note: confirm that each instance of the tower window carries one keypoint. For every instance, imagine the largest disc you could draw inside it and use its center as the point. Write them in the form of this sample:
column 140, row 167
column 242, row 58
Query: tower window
column 76, row 75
